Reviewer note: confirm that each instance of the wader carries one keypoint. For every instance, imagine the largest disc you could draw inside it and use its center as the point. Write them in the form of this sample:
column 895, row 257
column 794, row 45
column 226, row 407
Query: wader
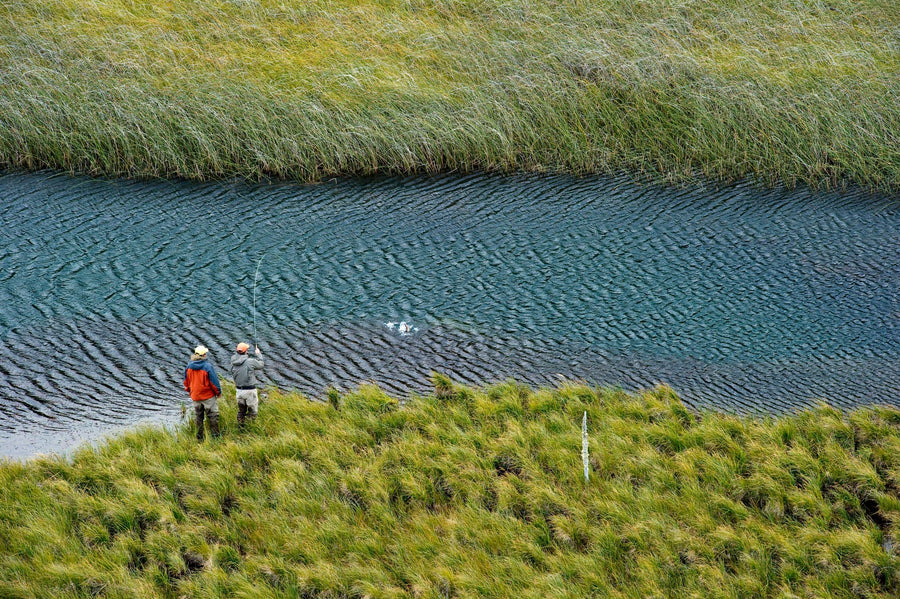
column 208, row 408
column 247, row 404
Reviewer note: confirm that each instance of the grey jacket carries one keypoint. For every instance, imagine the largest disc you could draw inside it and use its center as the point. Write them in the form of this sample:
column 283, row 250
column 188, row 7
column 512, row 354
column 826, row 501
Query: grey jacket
column 243, row 367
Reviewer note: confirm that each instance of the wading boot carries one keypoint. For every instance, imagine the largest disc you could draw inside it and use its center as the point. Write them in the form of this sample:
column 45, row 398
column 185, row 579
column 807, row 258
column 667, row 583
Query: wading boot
column 198, row 421
column 242, row 413
column 213, row 425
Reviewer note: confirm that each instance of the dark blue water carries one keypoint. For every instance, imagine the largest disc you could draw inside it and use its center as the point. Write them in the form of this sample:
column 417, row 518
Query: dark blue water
column 741, row 298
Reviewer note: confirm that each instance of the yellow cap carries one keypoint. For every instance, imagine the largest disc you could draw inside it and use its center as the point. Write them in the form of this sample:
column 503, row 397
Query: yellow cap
column 200, row 350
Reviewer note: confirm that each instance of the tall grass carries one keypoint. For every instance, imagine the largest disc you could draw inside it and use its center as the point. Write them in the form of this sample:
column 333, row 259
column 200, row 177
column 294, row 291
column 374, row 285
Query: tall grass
column 468, row 492
column 779, row 90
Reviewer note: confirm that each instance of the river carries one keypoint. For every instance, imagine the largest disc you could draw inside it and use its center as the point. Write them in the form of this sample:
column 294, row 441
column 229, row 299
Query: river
column 742, row 298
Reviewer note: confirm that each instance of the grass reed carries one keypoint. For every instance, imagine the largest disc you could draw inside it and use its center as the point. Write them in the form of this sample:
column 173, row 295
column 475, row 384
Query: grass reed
column 467, row 492
column 779, row 91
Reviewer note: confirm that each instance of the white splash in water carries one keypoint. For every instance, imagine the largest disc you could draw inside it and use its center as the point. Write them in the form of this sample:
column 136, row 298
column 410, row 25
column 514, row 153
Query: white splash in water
column 402, row 327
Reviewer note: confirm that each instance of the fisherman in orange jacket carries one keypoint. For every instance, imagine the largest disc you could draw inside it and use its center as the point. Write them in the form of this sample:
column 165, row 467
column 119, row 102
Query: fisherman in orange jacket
column 201, row 382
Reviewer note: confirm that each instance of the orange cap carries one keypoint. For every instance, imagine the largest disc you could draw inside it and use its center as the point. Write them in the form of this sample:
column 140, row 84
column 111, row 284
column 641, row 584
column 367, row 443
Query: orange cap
column 242, row 347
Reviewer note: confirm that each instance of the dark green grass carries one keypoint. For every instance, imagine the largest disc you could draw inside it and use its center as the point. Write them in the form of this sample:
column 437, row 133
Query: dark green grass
column 467, row 493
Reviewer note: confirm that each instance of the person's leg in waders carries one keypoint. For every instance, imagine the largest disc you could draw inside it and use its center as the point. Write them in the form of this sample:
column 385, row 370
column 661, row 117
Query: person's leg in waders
column 242, row 411
column 213, row 418
column 199, row 412
column 248, row 406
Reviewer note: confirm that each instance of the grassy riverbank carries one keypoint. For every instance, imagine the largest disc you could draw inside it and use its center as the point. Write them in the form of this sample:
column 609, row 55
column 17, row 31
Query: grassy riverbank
column 467, row 493
column 777, row 90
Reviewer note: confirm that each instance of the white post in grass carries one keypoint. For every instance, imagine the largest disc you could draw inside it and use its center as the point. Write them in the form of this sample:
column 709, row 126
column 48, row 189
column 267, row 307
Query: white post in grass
column 584, row 446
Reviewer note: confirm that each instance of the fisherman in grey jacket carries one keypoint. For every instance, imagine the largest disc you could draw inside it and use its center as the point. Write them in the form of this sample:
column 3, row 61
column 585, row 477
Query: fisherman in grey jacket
column 243, row 369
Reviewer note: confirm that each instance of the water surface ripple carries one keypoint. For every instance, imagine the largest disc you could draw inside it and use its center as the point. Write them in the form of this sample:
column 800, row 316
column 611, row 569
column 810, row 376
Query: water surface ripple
column 740, row 298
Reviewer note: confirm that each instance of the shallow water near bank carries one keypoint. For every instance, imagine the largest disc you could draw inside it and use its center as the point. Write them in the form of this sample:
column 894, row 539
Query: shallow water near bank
column 741, row 298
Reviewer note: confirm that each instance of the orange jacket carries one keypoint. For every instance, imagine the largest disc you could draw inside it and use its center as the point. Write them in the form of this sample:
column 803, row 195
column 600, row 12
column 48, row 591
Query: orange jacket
column 200, row 380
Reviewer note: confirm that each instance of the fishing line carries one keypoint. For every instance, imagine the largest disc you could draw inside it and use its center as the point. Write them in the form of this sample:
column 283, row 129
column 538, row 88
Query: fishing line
column 255, row 277
column 291, row 267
